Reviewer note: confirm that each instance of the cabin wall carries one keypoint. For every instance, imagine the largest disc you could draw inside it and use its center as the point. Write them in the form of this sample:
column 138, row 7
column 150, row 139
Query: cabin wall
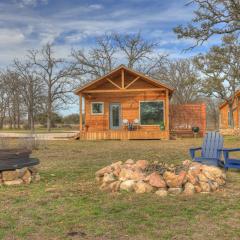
column 129, row 108
column 224, row 116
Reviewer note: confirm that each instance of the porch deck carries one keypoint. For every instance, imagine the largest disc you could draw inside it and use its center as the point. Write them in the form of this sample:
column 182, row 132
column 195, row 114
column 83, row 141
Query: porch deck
column 124, row 135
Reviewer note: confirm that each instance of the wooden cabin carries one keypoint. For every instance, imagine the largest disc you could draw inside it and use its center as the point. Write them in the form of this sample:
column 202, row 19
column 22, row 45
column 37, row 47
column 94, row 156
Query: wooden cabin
column 224, row 121
column 124, row 104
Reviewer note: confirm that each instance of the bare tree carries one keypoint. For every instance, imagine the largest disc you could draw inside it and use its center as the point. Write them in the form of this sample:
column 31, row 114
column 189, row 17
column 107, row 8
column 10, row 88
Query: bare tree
column 97, row 62
column 131, row 49
column 31, row 89
column 55, row 76
column 182, row 75
column 221, row 70
column 212, row 112
column 212, row 17
column 13, row 97
column 3, row 101
column 139, row 53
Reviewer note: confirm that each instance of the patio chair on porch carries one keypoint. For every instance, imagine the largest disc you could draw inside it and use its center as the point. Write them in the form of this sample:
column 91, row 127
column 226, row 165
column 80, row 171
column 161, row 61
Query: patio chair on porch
column 125, row 124
column 136, row 124
column 211, row 150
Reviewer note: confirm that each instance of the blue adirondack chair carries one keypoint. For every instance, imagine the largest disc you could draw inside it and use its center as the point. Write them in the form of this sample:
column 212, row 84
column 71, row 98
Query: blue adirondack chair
column 231, row 162
column 211, row 150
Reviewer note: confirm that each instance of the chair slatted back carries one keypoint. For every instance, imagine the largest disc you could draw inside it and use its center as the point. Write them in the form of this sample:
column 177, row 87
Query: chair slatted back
column 211, row 143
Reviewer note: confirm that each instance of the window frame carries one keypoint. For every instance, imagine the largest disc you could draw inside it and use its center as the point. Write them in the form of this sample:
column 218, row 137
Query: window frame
column 92, row 113
column 228, row 114
column 139, row 112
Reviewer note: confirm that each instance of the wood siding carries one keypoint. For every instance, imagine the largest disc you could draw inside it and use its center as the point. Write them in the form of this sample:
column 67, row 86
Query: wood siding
column 185, row 116
column 129, row 108
column 223, row 118
column 124, row 135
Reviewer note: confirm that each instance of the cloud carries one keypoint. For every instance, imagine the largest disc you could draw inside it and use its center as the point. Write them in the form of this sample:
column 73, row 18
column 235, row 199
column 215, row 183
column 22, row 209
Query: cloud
column 10, row 36
column 28, row 24
column 69, row 24
column 96, row 6
column 30, row 3
column 75, row 37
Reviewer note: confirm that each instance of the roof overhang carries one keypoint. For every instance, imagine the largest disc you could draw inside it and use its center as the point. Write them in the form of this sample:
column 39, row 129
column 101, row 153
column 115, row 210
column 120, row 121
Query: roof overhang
column 237, row 94
column 147, row 78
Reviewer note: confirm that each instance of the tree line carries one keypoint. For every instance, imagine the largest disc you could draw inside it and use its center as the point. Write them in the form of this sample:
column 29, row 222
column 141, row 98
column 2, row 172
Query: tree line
column 42, row 83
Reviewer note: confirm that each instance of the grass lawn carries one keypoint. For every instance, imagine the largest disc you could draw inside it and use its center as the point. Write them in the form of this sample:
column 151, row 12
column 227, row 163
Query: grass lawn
column 66, row 203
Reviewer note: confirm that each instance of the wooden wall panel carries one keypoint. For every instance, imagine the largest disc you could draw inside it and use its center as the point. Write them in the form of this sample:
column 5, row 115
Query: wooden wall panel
column 224, row 116
column 129, row 108
column 185, row 116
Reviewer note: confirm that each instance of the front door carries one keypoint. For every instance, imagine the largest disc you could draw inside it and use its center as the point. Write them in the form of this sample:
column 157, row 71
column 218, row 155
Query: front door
column 115, row 115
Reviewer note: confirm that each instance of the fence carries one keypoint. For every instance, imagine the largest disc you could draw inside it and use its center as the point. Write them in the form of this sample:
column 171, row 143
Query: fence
column 185, row 116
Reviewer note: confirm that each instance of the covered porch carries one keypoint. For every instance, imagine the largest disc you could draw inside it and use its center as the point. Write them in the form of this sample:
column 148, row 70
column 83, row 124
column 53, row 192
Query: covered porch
column 124, row 135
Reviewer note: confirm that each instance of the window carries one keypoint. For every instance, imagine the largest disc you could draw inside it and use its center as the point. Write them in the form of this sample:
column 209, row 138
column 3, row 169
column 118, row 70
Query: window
column 229, row 119
column 97, row 108
column 151, row 113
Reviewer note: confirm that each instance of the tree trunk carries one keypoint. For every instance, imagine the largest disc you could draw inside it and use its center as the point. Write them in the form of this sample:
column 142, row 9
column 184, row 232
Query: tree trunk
column 1, row 123
column 49, row 121
column 49, row 111
column 30, row 120
column 19, row 117
column 49, row 117
column 32, row 123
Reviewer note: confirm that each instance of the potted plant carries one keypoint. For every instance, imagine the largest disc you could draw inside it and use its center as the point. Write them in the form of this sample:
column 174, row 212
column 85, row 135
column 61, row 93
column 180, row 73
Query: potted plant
column 195, row 131
column 162, row 126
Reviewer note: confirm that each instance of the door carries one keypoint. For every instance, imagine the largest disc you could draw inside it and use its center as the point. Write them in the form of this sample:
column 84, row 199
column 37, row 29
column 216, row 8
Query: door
column 115, row 116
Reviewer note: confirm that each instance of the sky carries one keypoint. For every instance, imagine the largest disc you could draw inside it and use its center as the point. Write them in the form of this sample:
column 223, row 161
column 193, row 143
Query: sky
column 68, row 24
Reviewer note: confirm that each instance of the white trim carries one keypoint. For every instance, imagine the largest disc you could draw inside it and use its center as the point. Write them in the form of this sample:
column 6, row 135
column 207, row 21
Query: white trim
column 97, row 113
column 139, row 112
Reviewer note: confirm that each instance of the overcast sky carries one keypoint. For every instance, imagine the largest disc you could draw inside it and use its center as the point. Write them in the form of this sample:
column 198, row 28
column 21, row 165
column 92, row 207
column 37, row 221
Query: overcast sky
column 28, row 24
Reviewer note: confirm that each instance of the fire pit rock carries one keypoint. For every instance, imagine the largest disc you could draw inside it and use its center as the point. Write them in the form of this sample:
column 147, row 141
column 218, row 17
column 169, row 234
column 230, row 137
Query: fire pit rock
column 17, row 167
column 142, row 176
column 24, row 175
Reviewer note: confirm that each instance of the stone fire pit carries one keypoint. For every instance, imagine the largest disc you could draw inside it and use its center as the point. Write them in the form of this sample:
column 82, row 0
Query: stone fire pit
column 19, row 176
column 17, row 167
column 162, row 179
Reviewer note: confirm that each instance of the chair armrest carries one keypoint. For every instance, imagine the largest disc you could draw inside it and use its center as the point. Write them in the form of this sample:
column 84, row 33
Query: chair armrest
column 226, row 152
column 193, row 150
column 231, row 149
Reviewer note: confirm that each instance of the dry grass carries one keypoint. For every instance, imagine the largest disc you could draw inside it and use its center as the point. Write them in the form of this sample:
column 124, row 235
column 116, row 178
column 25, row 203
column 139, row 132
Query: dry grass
column 67, row 204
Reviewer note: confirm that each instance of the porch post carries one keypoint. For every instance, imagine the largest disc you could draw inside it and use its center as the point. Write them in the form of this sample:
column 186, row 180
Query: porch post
column 80, row 112
column 167, row 112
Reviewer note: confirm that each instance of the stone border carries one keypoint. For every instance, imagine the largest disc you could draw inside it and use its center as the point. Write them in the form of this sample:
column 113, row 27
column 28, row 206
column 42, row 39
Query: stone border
column 19, row 176
column 141, row 176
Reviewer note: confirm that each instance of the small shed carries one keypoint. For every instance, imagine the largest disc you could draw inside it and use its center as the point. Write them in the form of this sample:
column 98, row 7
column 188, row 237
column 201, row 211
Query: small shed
column 124, row 104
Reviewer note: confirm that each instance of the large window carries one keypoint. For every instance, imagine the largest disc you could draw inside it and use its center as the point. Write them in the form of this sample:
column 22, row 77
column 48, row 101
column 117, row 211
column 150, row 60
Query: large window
column 151, row 113
column 97, row 108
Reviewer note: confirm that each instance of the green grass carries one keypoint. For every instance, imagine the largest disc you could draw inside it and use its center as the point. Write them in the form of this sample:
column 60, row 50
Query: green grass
column 67, row 199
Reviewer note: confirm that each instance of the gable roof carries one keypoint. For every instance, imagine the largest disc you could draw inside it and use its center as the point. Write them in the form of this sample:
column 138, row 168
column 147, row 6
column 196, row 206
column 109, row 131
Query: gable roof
column 147, row 78
column 237, row 94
